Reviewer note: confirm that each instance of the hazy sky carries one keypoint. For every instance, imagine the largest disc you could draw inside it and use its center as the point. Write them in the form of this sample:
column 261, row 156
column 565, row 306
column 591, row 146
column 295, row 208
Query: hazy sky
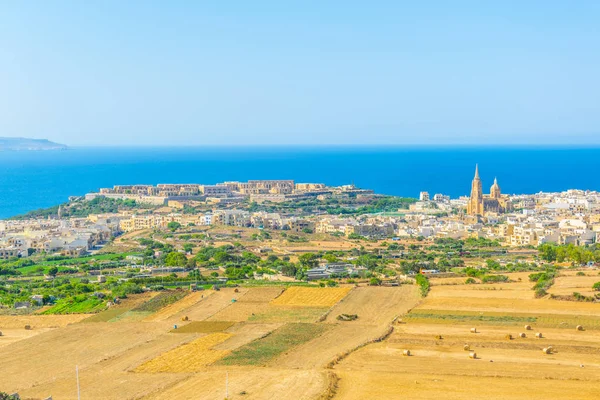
column 300, row 72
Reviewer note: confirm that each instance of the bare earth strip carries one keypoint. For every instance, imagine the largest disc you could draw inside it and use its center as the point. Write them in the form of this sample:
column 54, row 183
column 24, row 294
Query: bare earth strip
column 13, row 335
column 53, row 354
column 376, row 305
column 110, row 378
column 211, row 304
column 39, row 321
column 256, row 383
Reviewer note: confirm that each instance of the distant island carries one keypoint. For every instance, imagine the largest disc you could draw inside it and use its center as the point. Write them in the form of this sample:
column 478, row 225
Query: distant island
column 26, row 144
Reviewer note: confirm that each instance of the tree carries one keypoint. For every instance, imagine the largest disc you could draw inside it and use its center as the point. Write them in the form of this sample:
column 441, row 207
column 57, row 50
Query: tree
column 188, row 247
column 308, row 260
column 173, row 226
column 53, row 271
column 175, row 259
column 330, row 258
column 222, row 257
column 289, row 270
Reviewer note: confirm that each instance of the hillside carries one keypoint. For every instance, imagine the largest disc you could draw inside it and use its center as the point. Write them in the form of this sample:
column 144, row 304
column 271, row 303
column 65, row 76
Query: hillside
column 26, row 144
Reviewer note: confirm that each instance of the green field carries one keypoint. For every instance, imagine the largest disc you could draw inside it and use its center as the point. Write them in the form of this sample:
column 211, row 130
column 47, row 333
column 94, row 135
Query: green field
column 72, row 305
column 161, row 300
column 263, row 350
column 498, row 318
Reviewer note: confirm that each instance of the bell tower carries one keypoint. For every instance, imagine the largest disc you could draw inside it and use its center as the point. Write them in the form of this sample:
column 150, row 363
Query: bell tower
column 475, row 205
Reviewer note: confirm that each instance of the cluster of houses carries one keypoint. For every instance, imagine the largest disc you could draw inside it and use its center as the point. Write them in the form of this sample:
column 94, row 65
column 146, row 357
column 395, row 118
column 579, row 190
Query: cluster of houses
column 255, row 190
column 71, row 237
column 570, row 217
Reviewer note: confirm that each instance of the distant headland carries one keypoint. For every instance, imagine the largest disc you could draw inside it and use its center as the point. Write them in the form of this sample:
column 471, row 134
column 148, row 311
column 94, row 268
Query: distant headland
column 26, row 144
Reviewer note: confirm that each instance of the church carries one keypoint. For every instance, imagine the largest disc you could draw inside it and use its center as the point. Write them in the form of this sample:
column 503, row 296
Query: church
column 479, row 204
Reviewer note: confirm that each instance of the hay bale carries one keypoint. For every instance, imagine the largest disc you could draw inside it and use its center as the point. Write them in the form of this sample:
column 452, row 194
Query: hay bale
column 473, row 330
column 522, row 335
column 538, row 335
column 527, row 327
column 547, row 350
column 473, row 355
column 509, row 337
column 0, row 333
column 28, row 327
column 439, row 337
column 406, row 353
column 579, row 328
column 185, row 318
column 466, row 347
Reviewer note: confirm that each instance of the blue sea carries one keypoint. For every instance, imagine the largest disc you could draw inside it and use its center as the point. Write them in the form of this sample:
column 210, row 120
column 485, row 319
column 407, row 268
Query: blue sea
column 31, row 180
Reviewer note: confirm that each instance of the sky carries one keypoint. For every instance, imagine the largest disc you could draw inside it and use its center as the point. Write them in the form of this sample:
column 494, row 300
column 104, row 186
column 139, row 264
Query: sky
column 188, row 73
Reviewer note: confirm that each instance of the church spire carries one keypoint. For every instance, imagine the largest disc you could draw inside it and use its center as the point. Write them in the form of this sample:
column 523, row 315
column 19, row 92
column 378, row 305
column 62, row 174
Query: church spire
column 476, row 171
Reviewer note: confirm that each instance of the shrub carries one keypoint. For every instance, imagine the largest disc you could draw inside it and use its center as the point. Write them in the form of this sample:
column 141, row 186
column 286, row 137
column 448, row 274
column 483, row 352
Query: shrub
column 423, row 282
column 540, row 293
column 596, row 286
column 470, row 281
column 494, row 278
column 375, row 281
column 580, row 273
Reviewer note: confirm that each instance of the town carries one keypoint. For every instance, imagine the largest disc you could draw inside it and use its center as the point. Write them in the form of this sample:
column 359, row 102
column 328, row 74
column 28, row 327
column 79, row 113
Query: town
column 571, row 217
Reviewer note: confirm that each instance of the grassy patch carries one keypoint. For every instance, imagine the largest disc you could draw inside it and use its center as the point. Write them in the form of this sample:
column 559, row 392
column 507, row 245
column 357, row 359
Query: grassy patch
column 289, row 314
column 161, row 300
column 203, row 327
column 503, row 319
column 76, row 305
column 261, row 351
column 497, row 318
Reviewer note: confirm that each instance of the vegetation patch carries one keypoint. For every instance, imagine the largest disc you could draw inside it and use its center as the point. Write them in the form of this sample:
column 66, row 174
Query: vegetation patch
column 263, row 350
column 204, row 327
column 470, row 318
column 423, row 283
column 347, row 317
column 498, row 318
column 161, row 300
column 80, row 304
column 543, row 281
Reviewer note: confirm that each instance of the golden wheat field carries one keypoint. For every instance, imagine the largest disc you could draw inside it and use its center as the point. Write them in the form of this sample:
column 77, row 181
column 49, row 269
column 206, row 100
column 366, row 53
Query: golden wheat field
column 311, row 297
column 189, row 357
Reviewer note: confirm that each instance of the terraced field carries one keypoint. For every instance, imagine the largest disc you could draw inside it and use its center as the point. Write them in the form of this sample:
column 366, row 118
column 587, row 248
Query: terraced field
column 191, row 357
column 505, row 366
column 300, row 296
column 273, row 343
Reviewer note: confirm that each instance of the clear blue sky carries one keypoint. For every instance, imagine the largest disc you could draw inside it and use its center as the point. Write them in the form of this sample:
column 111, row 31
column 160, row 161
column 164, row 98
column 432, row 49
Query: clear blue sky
column 300, row 72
